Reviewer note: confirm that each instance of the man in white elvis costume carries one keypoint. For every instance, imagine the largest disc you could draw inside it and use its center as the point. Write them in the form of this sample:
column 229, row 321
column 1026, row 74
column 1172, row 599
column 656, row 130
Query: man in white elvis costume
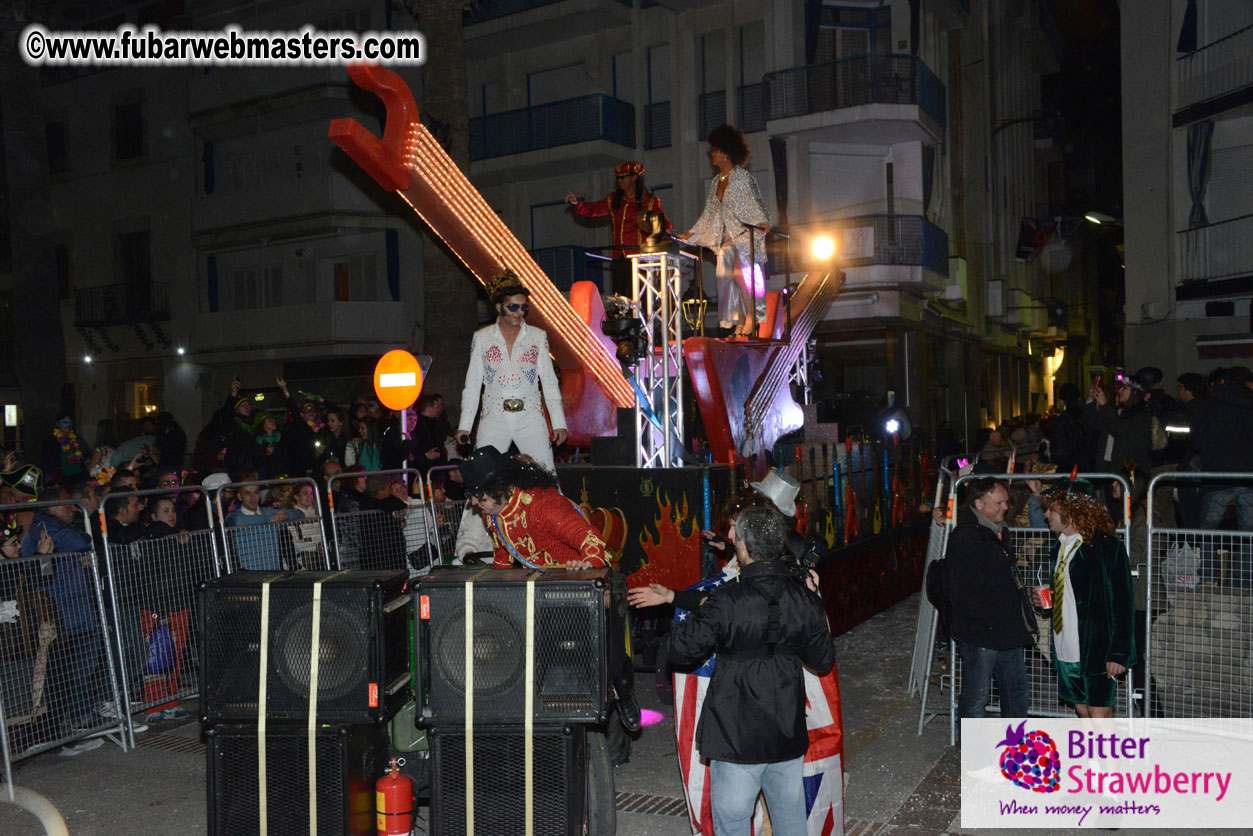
column 509, row 362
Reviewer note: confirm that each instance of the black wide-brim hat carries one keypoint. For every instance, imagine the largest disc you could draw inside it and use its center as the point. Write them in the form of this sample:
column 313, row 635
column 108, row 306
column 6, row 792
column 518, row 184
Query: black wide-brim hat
column 480, row 467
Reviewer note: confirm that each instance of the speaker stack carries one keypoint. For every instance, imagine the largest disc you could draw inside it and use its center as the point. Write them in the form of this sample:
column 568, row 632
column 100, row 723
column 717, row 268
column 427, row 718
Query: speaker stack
column 512, row 667
column 299, row 674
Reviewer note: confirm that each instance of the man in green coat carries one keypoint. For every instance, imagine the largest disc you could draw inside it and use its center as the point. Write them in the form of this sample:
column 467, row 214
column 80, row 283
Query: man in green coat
column 1093, row 606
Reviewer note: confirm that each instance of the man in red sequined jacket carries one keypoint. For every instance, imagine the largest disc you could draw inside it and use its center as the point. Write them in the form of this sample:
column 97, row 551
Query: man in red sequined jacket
column 532, row 524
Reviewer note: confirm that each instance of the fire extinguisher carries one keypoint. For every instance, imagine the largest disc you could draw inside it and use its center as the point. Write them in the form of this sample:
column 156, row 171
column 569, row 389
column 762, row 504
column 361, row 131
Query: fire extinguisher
column 394, row 801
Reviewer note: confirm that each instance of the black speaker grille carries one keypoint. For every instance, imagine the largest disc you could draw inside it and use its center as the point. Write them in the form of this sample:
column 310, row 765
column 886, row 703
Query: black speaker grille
column 570, row 678
column 362, row 651
column 350, row 759
column 558, row 781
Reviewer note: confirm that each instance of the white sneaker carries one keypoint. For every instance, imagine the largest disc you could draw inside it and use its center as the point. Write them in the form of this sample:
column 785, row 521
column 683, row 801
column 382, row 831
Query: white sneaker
column 71, row 750
column 138, row 726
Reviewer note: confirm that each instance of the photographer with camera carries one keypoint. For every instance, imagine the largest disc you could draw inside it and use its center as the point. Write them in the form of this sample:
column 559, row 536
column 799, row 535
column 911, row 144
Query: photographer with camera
column 764, row 628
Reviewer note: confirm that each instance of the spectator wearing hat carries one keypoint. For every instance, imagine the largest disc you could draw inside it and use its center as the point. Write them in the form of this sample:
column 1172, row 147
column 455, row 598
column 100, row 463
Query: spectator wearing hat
column 1093, row 612
column 65, row 455
column 509, row 364
column 80, row 639
column 1125, row 431
column 534, row 525
column 234, row 422
column 629, row 200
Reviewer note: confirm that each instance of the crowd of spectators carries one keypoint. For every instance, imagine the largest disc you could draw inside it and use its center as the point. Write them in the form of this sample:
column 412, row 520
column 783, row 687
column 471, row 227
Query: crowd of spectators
column 159, row 545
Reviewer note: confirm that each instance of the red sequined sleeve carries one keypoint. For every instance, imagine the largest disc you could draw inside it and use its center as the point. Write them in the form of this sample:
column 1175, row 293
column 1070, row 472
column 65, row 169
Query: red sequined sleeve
column 592, row 208
column 569, row 527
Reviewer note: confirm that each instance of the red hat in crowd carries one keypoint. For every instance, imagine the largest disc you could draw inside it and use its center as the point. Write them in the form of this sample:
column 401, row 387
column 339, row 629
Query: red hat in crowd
column 628, row 167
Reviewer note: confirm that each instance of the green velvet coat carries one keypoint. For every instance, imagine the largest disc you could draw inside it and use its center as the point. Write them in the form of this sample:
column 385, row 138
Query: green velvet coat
column 1100, row 578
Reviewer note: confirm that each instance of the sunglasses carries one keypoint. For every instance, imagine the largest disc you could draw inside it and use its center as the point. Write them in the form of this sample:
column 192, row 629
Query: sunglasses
column 514, row 307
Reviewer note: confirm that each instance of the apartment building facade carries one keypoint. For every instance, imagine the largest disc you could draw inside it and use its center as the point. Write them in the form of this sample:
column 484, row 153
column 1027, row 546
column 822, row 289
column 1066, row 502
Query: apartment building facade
column 912, row 131
column 207, row 228
column 1188, row 182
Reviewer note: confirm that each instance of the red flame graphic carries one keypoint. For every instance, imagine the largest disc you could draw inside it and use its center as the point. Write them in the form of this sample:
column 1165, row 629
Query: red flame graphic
column 672, row 558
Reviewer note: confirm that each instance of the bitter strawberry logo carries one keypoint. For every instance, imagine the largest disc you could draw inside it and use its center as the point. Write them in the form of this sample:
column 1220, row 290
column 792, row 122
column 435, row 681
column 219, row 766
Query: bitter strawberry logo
column 1030, row 759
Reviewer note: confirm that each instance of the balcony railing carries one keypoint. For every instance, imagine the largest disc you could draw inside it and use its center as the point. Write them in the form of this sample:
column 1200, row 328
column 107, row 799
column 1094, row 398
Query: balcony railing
column 122, row 304
column 551, row 125
column 657, row 125
column 866, row 240
column 849, row 82
column 1224, row 66
column 568, row 264
column 749, row 109
column 1216, row 250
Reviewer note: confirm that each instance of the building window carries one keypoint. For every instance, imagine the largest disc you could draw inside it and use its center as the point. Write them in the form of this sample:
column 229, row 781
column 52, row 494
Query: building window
column 61, row 253
column 847, row 31
column 260, row 286
column 58, row 161
column 356, row 278
column 712, row 103
column 135, row 258
column 128, row 131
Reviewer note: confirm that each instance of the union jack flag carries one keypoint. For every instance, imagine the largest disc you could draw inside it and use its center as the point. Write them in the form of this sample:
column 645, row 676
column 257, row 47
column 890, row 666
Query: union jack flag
column 824, row 760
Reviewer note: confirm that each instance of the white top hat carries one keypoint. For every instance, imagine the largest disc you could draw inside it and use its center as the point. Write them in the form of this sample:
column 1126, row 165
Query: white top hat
column 780, row 489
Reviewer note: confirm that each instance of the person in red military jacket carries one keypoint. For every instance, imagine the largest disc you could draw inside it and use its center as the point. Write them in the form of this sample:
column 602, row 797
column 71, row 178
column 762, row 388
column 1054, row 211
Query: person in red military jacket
column 533, row 524
column 624, row 207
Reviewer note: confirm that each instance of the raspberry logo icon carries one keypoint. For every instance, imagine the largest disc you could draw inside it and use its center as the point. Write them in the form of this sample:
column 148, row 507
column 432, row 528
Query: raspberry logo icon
column 1030, row 759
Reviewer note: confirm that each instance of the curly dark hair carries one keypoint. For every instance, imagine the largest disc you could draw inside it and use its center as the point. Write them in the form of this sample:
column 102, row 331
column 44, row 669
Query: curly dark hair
column 729, row 140
column 517, row 474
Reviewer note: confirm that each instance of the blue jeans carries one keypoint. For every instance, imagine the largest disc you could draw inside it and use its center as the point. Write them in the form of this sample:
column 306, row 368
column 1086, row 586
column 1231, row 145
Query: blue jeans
column 979, row 665
column 1213, row 509
column 733, row 796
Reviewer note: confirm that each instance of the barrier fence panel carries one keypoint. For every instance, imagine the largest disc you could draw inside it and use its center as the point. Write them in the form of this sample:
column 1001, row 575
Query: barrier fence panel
column 1033, row 547
column 153, row 573
column 1200, row 603
column 57, row 682
column 389, row 531
column 257, row 537
column 447, row 513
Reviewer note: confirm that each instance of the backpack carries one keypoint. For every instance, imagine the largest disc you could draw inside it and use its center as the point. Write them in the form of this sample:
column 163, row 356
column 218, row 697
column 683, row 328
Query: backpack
column 937, row 590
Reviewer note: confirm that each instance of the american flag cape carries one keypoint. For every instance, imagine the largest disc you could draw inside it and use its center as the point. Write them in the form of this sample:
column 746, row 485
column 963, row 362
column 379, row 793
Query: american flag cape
column 823, row 769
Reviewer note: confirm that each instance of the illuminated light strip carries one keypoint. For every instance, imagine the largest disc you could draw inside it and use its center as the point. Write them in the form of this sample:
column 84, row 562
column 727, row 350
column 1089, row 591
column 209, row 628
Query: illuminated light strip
column 410, row 162
column 454, row 190
column 762, row 397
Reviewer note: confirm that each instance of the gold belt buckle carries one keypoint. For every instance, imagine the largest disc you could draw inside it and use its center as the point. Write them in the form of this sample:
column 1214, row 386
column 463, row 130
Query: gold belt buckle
column 513, row 405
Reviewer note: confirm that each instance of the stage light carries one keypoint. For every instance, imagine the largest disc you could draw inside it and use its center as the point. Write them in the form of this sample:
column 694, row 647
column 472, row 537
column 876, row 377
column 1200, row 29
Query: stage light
column 181, row 351
column 86, row 358
column 822, row 248
column 895, row 422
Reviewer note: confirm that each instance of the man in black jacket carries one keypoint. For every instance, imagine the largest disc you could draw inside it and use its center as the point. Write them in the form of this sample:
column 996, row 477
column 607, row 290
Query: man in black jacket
column 992, row 619
column 752, row 727
column 1220, row 434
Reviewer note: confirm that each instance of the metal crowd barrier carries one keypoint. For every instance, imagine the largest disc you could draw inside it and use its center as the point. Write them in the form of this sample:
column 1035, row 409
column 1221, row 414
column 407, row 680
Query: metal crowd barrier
column 57, row 680
column 152, row 583
column 290, row 543
column 447, row 514
column 925, row 628
column 1200, row 604
column 1033, row 547
column 378, row 539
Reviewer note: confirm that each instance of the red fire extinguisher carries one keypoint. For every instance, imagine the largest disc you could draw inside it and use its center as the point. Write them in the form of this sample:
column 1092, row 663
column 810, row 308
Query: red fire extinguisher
column 394, row 802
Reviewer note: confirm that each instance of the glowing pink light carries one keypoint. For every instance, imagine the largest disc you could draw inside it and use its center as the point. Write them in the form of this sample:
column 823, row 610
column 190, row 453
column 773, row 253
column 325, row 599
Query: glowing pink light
column 759, row 282
column 648, row 717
